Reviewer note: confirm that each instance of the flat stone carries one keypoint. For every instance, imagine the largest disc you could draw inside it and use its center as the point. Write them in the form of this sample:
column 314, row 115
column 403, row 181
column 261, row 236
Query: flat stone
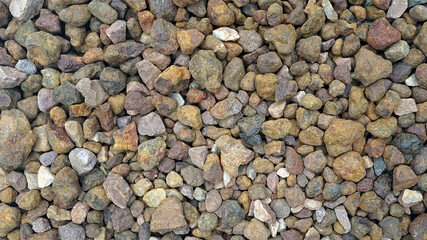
column 117, row 190
column 169, row 217
column 11, row 77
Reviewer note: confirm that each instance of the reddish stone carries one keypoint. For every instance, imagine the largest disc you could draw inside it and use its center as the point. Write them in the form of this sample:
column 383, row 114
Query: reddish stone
column 381, row 34
column 293, row 162
column 195, row 95
column 392, row 156
column 70, row 63
column 179, row 151
column 146, row 20
column 103, row 34
column 375, row 147
column 48, row 22
column 291, row 235
column 105, row 116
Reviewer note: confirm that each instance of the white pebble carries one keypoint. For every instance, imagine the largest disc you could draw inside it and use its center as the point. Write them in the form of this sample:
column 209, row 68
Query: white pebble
column 226, row 34
column 44, row 177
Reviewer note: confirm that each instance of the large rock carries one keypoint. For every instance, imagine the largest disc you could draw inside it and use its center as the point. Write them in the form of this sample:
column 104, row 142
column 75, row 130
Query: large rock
column 371, row 67
column 66, row 185
column 381, row 34
column 11, row 77
column 417, row 228
column 163, row 34
column 349, row 166
column 25, row 9
column 341, row 134
column 169, row 217
column 117, row 190
column 283, row 38
column 16, row 138
column 43, row 48
column 233, row 154
column 206, row 69
column 11, row 217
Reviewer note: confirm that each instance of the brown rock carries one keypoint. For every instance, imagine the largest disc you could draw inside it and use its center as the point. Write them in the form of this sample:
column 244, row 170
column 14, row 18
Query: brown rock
column 169, row 217
column 403, row 177
column 349, row 166
column 381, row 34
column 219, row 14
column 341, row 134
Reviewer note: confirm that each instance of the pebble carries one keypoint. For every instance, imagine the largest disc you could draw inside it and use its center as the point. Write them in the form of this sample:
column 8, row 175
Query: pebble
column 44, row 177
column 71, row 231
column 151, row 125
column 117, row 190
column 226, row 34
column 24, row 10
column 82, row 160
column 117, row 31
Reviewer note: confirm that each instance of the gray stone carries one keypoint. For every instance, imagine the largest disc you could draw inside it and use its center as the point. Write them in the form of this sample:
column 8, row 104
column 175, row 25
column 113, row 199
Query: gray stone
column 25, row 9
column 26, row 66
column 82, row 160
column 41, row 225
column 151, row 125
column 11, row 77
column 71, row 231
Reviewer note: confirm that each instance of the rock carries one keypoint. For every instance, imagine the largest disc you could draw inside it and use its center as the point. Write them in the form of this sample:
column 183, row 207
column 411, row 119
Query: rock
column 59, row 140
column 256, row 230
column 403, row 177
column 397, row 8
column 148, row 72
column 116, row 54
column 342, row 217
column 417, row 227
column 117, row 190
column 397, row 51
column 309, row 48
column 164, row 38
column 233, row 154
column 365, row 71
column 82, row 160
column 151, row 125
column 103, row 11
column 26, row 66
column 17, row 180
column 72, row 231
column 421, row 39
column 13, row 215
column 381, row 34
column 383, row 127
column 190, row 115
column 341, row 134
column 226, row 34
column 232, row 214
column 66, row 185
column 76, row 15
column 92, row 91
column 189, row 40
column 391, row 227
column 411, row 197
column 151, row 152
column 44, row 177
column 117, row 31
column 79, row 212
column 97, row 198
column 169, row 217
column 165, row 9
column 172, row 79
column 407, row 143
column 283, row 38
column 113, row 80
column 122, row 219
column 207, row 221
column 266, row 85
column 11, row 77
column 233, row 73
column 17, row 138
column 41, row 225
column 206, row 69
column 67, row 94
column 418, row 13
column 314, row 23
column 250, row 40
column 294, row 196
column 349, row 166
column 192, row 176
column 219, row 14
column 26, row 9
column 155, row 197
column 263, row 212
column 226, row 108
column 43, row 48
column 28, row 200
